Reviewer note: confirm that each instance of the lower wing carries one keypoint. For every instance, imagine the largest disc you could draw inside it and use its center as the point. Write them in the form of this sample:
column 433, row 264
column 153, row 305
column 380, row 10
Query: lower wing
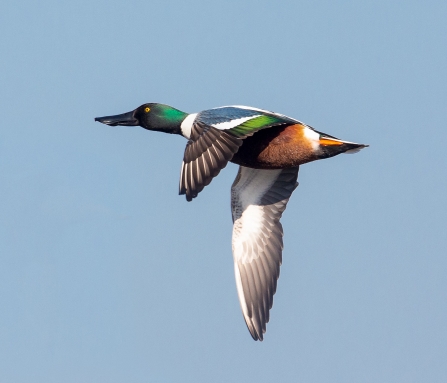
column 258, row 199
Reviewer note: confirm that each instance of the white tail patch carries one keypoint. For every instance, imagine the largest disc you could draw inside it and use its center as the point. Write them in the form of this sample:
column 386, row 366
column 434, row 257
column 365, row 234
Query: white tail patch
column 312, row 136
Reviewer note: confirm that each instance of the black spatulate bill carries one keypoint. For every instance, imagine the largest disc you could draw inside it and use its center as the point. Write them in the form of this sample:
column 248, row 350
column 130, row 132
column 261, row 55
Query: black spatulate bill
column 125, row 119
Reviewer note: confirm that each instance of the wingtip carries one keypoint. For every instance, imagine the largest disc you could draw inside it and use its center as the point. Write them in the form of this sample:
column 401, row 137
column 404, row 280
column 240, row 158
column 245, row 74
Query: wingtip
column 254, row 334
column 256, row 331
column 189, row 197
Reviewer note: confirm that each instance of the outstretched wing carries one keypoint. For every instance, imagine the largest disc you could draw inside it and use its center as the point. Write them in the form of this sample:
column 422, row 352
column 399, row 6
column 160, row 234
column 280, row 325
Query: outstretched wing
column 215, row 135
column 258, row 199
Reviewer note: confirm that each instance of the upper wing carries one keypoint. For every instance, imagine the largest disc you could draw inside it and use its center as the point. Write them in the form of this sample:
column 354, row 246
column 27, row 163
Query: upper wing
column 215, row 135
column 258, row 199
column 207, row 153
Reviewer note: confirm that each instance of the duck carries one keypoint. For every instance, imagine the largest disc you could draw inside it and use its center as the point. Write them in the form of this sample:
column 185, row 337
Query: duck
column 269, row 148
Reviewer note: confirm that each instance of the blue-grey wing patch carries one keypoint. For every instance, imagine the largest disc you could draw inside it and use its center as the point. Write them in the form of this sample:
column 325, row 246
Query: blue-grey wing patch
column 225, row 114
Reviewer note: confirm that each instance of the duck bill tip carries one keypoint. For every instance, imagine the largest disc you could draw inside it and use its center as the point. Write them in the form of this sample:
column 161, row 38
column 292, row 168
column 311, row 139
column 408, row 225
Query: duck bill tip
column 125, row 119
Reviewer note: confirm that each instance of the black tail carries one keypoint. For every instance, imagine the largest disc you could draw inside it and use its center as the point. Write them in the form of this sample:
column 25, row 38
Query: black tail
column 330, row 147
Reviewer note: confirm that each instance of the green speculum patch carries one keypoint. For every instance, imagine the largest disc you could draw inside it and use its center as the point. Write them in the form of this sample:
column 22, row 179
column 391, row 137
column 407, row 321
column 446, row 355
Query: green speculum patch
column 255, row 124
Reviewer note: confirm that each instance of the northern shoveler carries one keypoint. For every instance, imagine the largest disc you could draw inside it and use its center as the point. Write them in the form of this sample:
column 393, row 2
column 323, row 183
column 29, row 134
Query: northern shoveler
column 269, row 147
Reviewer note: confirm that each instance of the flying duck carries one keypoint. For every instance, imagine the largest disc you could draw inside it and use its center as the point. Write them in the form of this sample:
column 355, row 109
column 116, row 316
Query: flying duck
column 269, row 148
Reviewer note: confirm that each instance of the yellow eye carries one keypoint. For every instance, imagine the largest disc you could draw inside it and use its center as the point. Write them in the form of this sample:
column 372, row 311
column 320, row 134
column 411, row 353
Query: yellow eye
column 147, row 109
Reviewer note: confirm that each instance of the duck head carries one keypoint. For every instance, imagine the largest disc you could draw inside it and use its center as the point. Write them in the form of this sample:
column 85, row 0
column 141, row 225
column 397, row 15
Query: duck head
column 152, row 116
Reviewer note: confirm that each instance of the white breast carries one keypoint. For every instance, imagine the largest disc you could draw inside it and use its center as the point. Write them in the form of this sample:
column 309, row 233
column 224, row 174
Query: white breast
column 187, row 125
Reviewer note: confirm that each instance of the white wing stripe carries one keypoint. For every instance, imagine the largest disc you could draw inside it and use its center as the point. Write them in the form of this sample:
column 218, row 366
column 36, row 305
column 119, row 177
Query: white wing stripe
column 259, row 110
column 233, row 123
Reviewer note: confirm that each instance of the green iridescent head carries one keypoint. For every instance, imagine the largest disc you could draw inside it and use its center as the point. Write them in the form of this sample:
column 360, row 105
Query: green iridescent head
column 151, row 116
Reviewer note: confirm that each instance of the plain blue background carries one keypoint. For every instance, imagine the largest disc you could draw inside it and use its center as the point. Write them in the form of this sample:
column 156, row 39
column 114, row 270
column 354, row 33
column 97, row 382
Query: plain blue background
column 107, row 275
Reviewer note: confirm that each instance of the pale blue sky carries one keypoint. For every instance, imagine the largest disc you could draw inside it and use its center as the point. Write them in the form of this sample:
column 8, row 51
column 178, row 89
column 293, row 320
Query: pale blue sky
column 107, row 275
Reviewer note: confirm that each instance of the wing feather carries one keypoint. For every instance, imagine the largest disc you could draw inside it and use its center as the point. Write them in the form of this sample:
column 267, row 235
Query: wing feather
column 207, row 153
column 258, row 199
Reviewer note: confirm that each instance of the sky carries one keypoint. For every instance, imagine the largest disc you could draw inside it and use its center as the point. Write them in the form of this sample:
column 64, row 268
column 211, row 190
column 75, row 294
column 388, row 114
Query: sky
column 108, row 275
